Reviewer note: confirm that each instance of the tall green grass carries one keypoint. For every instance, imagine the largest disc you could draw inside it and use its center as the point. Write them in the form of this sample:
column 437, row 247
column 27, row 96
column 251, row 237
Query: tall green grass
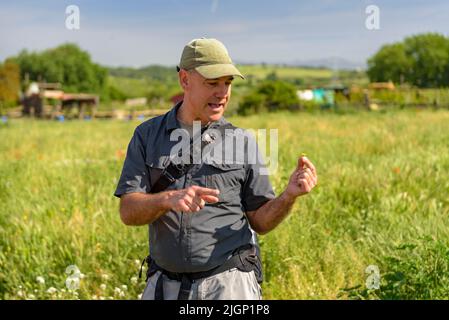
column 382, row 200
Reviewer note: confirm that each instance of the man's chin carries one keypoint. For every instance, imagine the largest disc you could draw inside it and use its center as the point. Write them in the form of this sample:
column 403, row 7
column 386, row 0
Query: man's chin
column 215, row 117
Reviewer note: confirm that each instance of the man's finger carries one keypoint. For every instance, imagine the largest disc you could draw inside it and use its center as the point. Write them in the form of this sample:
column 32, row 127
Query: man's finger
column 193, row 206
column 303, row 184
column 199, row 202
column 307, row 177
column 206, row 191
column 300, row 164
column 307, row 163
column 182, row 207
column 311, row 175
column 210, row 199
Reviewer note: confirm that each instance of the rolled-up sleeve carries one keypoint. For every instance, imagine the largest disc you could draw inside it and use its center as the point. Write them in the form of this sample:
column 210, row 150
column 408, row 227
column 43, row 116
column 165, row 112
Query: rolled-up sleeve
column 135, row 175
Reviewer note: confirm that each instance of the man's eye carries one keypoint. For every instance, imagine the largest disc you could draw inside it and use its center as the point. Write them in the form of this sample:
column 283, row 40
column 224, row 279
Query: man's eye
column 213, row 84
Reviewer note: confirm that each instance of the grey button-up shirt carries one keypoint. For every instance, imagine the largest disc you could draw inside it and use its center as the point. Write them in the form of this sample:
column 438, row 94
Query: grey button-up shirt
column 199, row 241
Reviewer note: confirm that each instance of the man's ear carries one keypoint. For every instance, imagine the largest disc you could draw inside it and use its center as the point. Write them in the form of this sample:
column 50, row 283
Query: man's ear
column 183, row 78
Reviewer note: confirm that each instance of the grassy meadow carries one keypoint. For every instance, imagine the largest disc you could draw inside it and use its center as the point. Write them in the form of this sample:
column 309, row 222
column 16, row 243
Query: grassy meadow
column 382, row 200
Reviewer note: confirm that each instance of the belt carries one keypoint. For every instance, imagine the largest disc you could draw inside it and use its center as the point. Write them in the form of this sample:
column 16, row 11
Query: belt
column 244, row 258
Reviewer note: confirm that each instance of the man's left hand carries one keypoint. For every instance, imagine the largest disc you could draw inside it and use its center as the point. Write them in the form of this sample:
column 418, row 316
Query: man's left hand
column 303, row 179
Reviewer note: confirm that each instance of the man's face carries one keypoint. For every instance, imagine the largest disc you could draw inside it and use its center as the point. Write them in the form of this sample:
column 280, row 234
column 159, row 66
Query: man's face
column 207, row 98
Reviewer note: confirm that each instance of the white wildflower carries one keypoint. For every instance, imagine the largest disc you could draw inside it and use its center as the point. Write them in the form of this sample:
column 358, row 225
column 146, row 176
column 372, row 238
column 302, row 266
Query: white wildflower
column 40, row 280
column 102, row 286
column 105, row 277
column 124, row 287
column 139, row 296
column 134, row 280
column 51, row 290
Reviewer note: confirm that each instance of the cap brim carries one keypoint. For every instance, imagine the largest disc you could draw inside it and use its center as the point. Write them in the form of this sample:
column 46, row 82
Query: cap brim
column 215, row 71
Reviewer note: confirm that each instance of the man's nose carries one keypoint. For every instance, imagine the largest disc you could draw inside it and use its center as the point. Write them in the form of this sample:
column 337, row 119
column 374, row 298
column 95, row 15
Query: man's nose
column 222, row 91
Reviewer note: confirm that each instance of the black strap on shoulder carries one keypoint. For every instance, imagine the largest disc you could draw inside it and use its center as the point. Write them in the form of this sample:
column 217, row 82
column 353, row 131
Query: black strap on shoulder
column 175, row 171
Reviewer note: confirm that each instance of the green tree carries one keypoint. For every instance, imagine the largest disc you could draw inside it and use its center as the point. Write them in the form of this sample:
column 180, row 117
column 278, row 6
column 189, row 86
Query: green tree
column 390, row 63
column 420, row 60
column 67, row 64
column 9, row 84
column 429, row 55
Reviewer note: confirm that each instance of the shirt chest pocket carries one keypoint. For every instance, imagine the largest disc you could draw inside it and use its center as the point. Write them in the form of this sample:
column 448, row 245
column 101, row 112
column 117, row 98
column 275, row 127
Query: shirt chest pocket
column 228, row 178
column 155, row 166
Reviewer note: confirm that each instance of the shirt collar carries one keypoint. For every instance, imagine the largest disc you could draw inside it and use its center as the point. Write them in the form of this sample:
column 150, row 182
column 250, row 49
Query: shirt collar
column 173, row 123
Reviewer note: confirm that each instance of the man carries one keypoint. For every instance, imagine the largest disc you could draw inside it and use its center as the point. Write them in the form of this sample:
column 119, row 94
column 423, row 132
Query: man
column 201, row 215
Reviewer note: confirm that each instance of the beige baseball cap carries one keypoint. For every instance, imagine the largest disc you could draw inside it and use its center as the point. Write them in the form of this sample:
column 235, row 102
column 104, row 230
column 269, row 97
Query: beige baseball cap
column 209, row 58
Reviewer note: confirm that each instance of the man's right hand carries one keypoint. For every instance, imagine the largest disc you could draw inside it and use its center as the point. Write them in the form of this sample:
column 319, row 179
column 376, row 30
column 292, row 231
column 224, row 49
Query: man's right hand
column 191, row 199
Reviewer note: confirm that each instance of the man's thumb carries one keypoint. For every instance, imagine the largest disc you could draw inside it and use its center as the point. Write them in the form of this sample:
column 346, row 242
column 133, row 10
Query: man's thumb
column 300, row 162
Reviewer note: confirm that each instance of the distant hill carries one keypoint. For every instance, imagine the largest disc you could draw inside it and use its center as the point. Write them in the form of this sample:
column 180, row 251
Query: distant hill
column 334, row 63
column 167, row 73
column 153, row 72
column 298, row 75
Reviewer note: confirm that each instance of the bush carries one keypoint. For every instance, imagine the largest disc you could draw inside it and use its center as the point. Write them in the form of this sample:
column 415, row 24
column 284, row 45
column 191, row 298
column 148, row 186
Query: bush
column 418, row 270
column 251, row 104
column 270, row 96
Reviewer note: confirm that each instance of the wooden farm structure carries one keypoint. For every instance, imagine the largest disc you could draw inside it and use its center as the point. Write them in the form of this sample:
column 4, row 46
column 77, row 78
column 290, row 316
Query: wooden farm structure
column 47, row 100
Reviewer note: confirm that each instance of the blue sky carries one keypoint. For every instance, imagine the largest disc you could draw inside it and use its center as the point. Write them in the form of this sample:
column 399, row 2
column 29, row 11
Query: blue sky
column 138, row 33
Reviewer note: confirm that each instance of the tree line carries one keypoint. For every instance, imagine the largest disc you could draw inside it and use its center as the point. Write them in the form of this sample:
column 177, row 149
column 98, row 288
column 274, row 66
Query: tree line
column 420, row 60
